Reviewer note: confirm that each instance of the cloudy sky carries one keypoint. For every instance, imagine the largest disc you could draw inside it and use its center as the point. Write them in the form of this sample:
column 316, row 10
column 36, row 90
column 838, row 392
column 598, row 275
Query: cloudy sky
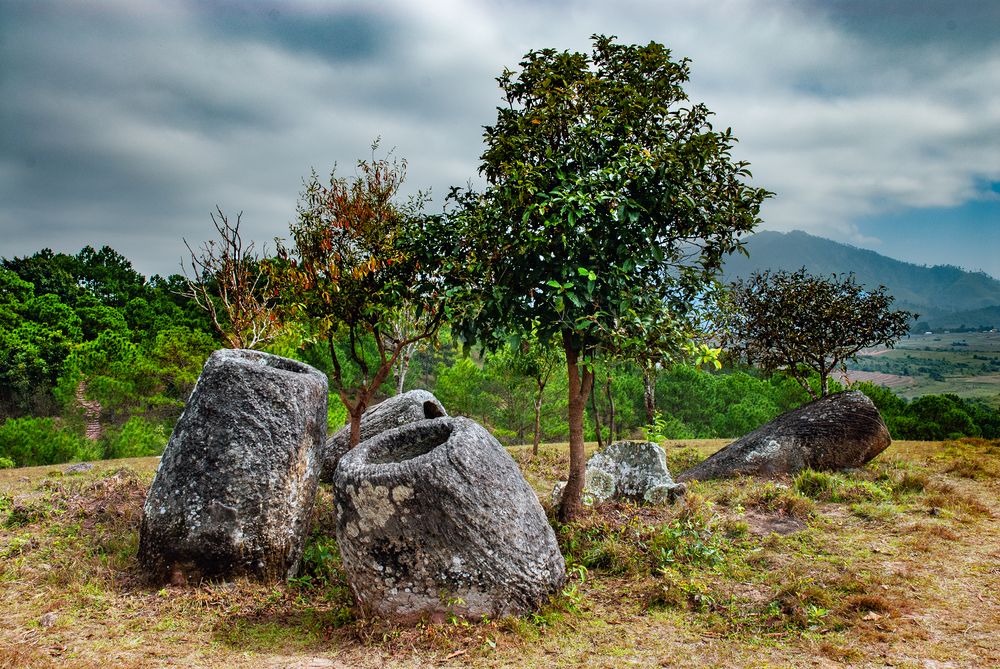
column 125, row 122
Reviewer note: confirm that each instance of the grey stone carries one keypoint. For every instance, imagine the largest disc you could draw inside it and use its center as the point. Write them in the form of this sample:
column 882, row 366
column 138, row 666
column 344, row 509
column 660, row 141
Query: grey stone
column 235, row 488
column 434, row 517
column 397, row 410
column 79, row 468
column 835, row 432
column 632, row 470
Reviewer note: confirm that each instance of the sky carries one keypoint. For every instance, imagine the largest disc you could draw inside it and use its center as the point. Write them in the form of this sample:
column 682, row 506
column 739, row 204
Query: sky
column 126, row 122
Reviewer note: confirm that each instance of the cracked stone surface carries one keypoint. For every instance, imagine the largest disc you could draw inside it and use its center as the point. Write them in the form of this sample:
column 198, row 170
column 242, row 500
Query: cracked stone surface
column 434, row 517
column 236, row 484
column 839, row 431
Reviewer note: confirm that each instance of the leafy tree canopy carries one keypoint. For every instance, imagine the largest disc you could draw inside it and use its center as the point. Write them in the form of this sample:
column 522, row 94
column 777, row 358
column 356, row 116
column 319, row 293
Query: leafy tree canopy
column 358, row 264
column 611, row 201
column 800, row 323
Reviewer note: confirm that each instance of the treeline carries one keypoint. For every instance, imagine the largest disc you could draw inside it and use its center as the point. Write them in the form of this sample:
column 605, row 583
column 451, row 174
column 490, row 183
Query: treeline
column 934, row 417
column 96, row 361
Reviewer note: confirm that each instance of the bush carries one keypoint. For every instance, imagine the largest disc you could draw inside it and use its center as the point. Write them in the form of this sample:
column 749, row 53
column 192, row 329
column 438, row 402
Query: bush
column 28, row 442
column 135, row 439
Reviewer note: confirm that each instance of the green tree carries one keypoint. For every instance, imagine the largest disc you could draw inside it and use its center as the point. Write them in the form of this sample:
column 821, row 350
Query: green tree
column 357, row 262
column 800, row 323
column 524, row 369
column 610, row 201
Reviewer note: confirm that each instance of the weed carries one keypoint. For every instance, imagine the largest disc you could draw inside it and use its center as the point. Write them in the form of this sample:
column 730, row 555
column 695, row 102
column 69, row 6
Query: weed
column 685, row 543
column 830, row 487
column 682, row 458
column 770, row 496
column 679, row 591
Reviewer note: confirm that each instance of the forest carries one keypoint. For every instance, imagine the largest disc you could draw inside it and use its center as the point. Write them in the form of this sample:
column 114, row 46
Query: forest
column 96, row 362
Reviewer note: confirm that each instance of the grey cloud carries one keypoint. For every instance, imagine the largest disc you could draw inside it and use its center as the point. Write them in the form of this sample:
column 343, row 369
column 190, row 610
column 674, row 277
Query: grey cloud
column 126, row 122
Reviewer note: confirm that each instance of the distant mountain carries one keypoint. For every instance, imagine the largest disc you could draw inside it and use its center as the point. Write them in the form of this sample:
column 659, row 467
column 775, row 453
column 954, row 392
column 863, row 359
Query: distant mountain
column 943, row 295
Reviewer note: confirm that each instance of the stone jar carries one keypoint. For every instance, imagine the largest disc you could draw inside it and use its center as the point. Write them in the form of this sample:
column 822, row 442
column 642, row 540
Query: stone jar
column 839, row 431
column 397, row 410
column 434, row 518
column 235, row 488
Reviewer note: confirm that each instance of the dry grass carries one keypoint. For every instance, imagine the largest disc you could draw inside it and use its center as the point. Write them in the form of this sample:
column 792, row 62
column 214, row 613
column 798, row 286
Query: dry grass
column 897, row 564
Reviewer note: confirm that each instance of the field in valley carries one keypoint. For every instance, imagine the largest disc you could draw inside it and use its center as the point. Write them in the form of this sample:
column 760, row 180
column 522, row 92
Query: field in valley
column 893, row 565
column 966, row 364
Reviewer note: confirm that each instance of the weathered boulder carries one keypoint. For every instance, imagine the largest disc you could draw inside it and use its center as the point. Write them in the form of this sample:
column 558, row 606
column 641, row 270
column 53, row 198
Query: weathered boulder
column 236, row 484
column 835, row 432
column 434, row 517
column 632, row 470
column 407, row 407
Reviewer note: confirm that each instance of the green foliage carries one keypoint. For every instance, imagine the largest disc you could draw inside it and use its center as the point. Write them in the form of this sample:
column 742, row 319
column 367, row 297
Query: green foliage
column 57, row 310
column 832, row 487
column 135, row 439
column 6, row 463
column 802, row 323
column 461, row 388
column 599, row 175
column 610, row 204
column 933, row 417
column 39, row 441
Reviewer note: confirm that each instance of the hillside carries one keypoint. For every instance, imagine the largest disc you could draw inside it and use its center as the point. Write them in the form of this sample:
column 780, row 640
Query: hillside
column 943, row 295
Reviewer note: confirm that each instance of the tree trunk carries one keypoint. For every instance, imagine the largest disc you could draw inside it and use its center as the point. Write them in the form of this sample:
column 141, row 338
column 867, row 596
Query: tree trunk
column 611, row 409
column 580, row 384
column 538, row 419
column 403, row 366
column 597, row 420
column 355, row 413
column 649, row 393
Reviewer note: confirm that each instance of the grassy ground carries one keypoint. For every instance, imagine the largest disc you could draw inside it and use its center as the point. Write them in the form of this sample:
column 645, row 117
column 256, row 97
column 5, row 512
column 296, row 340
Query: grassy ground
column 894, row 565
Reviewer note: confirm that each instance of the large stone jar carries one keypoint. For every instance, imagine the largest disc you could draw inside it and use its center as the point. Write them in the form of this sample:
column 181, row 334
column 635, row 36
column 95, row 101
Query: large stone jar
column 397, row 410
column 235, row 487
column 435, row 518
column 839, row 431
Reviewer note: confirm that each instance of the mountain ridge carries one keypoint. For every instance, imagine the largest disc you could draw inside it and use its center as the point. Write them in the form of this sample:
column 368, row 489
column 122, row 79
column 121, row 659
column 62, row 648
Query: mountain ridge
column 940, row 294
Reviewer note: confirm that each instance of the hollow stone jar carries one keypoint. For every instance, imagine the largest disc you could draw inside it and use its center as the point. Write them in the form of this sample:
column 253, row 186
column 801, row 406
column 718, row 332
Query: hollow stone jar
column 434, row 517
column 237, row 481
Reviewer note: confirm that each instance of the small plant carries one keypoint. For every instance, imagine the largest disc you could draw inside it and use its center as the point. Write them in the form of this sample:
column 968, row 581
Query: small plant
column 685, row 543
column 681, row 459
column 676, row 591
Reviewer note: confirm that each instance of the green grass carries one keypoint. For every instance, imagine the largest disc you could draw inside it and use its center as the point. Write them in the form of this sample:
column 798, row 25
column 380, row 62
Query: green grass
column 870, row 567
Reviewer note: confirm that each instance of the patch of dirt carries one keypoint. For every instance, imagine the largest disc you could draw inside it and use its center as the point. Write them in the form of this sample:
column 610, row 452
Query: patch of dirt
column 774, row 523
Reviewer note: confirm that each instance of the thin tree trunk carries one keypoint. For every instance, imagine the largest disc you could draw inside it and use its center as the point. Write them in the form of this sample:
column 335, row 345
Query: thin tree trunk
column 403, row 366
column 611, row 409
column 538, row 419
column 580, row 383
column 649, row 393
column 597, row 420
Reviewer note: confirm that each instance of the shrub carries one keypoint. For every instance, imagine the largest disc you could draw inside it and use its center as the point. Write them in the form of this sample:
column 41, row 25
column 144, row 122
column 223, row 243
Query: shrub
column 29, row 442
column 135, row 439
